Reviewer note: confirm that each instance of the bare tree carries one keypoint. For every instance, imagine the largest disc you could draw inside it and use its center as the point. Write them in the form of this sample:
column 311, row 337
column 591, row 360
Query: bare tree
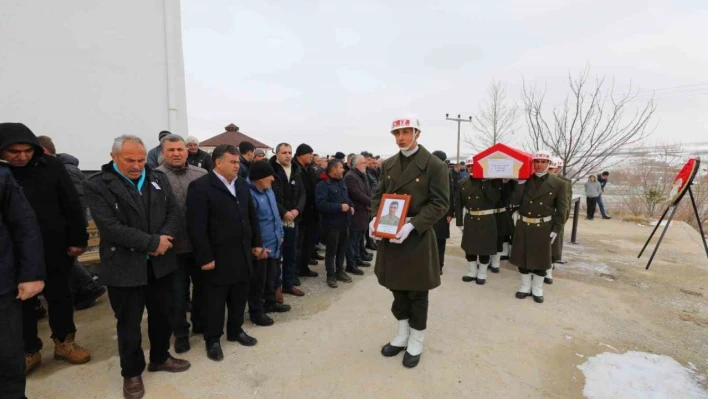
column 590, row 128
column 495, row 121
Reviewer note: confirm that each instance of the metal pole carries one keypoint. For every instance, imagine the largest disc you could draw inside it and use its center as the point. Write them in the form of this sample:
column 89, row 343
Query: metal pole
column 661, row 237
column 576, row 216
column 459, row 120
column 698, row 219
column 653, row 231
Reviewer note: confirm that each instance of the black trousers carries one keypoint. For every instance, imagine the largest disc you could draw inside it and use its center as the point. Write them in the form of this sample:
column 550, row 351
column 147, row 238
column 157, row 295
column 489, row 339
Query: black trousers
column 441, row 251
column 82, row 281
column 541, row 273
column 60, row 306
column 483, row 259
column 12, row 359
column 260, row 291
column 128, row 304
column 354, row 243
column 336, row 242
column 218, row 298
column 306, row 238
column 411, row 305
column 592, row 204
column 186, row 268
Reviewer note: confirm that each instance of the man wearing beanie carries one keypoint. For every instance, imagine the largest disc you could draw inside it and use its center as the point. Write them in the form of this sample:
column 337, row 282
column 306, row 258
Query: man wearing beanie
column 309, row 222
column 265, row 271
column 153, row 158
column 49, row 189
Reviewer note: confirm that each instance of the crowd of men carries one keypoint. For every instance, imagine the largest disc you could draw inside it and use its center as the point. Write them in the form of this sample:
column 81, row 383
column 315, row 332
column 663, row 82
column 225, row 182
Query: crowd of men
column 241, row 231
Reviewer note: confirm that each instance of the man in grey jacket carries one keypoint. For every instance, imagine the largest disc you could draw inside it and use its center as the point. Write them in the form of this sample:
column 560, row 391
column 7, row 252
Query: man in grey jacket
column 138, row 217
column 180, row 174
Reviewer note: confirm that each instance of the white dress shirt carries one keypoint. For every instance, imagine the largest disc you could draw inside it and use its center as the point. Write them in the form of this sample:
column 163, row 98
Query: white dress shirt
column 231, row 186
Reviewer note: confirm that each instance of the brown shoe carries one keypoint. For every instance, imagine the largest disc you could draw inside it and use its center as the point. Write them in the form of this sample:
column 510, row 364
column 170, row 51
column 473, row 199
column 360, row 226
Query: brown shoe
column 32, row 360
column 172, row 365
column 133, row 388
column 293, row 291
column 279, row 295
column 70, row 351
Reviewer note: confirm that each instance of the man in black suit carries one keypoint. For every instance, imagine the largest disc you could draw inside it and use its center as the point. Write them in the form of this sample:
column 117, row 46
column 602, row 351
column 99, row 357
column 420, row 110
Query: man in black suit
column 223, row 227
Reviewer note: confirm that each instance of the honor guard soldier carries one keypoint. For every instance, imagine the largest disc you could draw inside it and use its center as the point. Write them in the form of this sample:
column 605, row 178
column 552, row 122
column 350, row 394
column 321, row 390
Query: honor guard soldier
column 557, row 249
column 543, row 207
column 479, row 226
column 408, row 265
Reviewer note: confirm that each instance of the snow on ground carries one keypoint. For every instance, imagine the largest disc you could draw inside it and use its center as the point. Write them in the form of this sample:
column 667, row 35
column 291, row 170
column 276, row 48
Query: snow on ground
column 639, row 375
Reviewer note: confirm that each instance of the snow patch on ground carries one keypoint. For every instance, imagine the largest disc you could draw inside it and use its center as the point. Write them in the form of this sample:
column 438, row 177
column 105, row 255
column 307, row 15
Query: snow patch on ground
column 639, row 375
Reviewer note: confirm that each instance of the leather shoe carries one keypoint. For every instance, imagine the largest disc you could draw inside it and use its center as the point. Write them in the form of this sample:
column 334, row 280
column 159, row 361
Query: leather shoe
column 243, row 339
column 171, row 365
column 293, row 291
column 372, row 246
column 262, row 320
column 317, row 256
column 308, row 273
column 494, row 269
column 276, row 308
column 133, row 388
column 363, row 264
column 214, row 351
column 547, row 280
column 355, row 271
column 182, row 344
column 313, row 262
column 410, row 361
column 389, row 350
column 367, row 257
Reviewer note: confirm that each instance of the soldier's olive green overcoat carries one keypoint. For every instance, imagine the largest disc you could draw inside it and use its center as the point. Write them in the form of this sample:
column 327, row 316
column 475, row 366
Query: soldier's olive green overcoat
column 538, row 198
column 414, row 264
column 479, row 236
column 557, row 248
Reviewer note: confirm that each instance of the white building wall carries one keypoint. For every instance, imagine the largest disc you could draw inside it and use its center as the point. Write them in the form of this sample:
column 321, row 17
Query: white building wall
column 84, row 72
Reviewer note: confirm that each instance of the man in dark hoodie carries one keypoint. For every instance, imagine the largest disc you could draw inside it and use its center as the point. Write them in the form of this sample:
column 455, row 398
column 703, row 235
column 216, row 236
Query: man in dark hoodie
column 50, row 191
column 336, row 209
column 86, row 290
column 21, row 278
column 291, row 198
column 247, row 151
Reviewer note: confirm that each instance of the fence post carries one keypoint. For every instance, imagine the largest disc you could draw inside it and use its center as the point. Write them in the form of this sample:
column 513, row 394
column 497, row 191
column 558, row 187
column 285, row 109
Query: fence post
column 576, row 215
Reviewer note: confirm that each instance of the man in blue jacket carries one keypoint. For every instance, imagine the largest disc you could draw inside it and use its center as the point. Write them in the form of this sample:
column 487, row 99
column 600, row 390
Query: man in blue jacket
column 265, row 271
column 336, row 209
column 21, row 278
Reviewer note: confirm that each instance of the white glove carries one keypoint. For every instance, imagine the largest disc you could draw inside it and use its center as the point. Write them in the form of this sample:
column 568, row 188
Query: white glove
column 403, row 233
column 372, row 228
column 521, row 181
column 462, row 228
column 553, row 237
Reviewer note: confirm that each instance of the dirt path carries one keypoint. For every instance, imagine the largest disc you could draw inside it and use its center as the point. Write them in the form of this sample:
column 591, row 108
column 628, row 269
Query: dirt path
column 481, row 341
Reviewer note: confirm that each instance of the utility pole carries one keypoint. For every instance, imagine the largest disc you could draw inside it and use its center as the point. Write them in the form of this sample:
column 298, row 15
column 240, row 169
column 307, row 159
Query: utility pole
column 458, row 120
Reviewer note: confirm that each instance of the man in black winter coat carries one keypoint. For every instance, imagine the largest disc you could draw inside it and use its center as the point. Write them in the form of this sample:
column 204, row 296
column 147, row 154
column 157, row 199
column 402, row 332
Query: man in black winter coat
column 86, row 291
column 197, row 157
column 291, row 198
column 309, row 221
column 225, row 234
column 50, row 191
column 21, row 278
column 247, row 151
column 360, row 193
column 137, row 216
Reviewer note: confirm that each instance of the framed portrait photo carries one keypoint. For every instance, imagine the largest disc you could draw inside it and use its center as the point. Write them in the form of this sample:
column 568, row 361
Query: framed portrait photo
column 391, row 216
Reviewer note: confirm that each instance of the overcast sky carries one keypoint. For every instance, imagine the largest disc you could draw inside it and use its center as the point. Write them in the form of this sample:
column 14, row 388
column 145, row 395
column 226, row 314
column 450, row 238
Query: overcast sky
column 335, row 73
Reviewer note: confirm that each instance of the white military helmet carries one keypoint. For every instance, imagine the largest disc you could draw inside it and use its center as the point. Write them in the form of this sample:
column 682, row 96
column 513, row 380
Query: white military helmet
column 404, row 122
column 554, row 163
column 560, row 162
column 542, row 155
column 469, row 161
